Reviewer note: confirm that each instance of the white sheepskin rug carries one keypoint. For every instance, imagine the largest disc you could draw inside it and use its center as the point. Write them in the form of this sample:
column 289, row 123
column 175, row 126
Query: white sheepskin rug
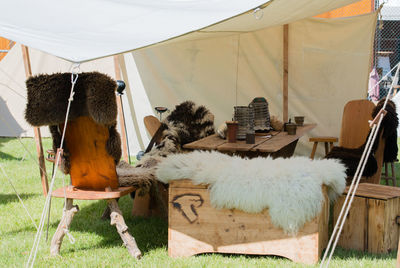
column 290, row 188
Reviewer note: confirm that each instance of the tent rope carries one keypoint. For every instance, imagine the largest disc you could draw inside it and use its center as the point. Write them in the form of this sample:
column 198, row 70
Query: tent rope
column 19, row 197
column 375, row 124
column 75, row 68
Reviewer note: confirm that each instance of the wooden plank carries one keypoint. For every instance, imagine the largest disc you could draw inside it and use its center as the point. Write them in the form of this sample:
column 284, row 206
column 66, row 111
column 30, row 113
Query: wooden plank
column 121, row 115
column 398, row 255
column 208, row 143
column 391, row 236
column 84, row 194
column 352, row 236
column 92, row 167
column 186, row 183
column 282, row 139
column 285, row 84
column 376, row 191
column 355, row 127
column 242, row 146
column 152, row 124
column 323, row 221
column 36, row 131
column 376, row 226
column 323, row 139
column 196, row 227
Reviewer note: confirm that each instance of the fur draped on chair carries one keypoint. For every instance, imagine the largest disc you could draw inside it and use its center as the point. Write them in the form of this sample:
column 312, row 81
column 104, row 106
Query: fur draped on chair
column 94, row 97
column 351, row 157
column 188, row 122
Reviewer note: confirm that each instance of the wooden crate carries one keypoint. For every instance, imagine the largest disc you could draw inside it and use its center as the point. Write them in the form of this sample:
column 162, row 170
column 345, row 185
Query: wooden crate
column 371, row 223
column 194, row 226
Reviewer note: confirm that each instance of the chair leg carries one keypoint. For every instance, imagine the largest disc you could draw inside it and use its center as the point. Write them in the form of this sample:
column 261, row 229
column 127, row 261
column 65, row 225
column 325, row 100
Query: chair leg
column 118, row 220
column 63, row 226
column 386, row 173
column 141, row 206
column 313, row 150
column 330, row 146
column 393, row 174
column 326, row 148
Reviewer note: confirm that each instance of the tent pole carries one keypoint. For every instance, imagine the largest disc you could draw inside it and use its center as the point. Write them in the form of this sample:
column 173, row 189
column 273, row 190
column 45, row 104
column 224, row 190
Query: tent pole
column 285, row 71
column 121, row 112
column 130, row 101
column 38, row 136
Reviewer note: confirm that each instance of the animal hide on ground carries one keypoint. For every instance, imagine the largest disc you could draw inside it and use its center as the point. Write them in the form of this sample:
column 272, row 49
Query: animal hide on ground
column 94, row 97
column 290, row 188
column 188, row 122
column 388, row 130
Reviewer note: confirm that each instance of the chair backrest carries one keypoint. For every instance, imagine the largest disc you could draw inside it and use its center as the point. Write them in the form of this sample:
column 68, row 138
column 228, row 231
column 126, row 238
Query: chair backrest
column 152, row 124
column 91, row 166
column 355, row 127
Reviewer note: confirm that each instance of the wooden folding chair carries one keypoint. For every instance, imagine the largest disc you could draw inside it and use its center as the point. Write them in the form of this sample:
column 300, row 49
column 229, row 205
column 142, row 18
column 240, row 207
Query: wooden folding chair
column 93, row 177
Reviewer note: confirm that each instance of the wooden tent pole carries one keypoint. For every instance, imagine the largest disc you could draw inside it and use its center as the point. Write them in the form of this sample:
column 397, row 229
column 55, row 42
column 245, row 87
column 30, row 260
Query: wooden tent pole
column 38, row 136
column 130, row 101
column 121, row 112
column 285, row 71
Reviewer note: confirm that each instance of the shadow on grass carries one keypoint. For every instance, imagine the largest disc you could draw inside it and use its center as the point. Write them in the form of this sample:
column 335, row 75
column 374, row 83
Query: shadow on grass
column 149, row 233
column 8, row 198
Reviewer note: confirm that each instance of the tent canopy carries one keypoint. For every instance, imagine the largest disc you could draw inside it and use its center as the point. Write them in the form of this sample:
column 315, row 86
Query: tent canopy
column 228, row 62
column 84, row 30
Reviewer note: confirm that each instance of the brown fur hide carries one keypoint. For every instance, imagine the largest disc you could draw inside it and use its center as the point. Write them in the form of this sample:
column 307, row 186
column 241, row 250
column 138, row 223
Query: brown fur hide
column 351, row 157
column 186, row 123
column 94, row 97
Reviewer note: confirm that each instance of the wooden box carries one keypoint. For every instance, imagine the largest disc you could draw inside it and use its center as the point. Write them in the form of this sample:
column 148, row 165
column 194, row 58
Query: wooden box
column 371, row 223
column 194, row 226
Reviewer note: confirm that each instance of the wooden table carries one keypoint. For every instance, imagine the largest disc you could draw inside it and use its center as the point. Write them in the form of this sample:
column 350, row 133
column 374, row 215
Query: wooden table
column 276, row 144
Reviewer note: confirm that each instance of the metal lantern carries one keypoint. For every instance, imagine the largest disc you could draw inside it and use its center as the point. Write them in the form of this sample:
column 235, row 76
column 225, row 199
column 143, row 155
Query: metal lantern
column 262, row 121
column 245, row 117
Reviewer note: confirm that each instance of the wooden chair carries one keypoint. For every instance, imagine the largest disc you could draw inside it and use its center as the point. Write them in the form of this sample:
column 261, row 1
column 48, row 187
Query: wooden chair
column 93, row 177
column 354, row 132
column 141, row 204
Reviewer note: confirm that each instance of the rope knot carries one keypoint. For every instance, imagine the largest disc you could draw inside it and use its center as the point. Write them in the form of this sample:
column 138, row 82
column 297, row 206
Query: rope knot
column 69, row 235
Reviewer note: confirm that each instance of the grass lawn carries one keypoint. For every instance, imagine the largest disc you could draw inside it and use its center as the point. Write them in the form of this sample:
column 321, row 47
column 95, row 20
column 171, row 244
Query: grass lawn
column 97, row 243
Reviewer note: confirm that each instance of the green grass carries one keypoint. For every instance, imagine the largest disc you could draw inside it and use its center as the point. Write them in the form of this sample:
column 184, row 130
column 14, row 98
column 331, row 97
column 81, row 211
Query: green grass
column 97, row 243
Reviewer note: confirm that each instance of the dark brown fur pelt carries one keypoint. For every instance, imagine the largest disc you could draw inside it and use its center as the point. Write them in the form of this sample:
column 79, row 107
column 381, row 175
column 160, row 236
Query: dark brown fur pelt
column 134, row 176
column 187, row 122
column 113, row 145
column 65, row 165
column 94, row 97
column 389, row 126
column 388, row 130
column 351, row 157
column 48, row 98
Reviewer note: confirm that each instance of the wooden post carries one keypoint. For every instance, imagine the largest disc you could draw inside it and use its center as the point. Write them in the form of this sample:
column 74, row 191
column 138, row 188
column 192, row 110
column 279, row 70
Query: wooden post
column 121, row 112
column 398, row 255
column 130, row 101
column 38, row 137
column 285, row 71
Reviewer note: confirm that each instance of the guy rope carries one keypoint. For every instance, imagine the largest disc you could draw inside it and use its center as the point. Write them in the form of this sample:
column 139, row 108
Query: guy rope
column 374, row 124
column 32, row 256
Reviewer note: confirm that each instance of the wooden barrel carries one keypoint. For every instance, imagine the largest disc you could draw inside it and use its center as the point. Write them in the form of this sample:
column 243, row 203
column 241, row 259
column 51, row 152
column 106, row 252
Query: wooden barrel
column 91, row 166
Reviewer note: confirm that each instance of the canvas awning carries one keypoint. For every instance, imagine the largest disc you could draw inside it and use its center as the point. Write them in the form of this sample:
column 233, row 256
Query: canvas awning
column 84, row 30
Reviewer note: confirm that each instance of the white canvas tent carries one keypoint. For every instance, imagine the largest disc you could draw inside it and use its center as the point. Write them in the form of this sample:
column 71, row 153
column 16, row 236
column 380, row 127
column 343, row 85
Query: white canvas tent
column 218, row 53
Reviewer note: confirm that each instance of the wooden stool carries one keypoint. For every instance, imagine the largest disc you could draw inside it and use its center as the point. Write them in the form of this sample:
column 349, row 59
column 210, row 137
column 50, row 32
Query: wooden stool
column 388, row 178
column 373, row 221
column 325, row 140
